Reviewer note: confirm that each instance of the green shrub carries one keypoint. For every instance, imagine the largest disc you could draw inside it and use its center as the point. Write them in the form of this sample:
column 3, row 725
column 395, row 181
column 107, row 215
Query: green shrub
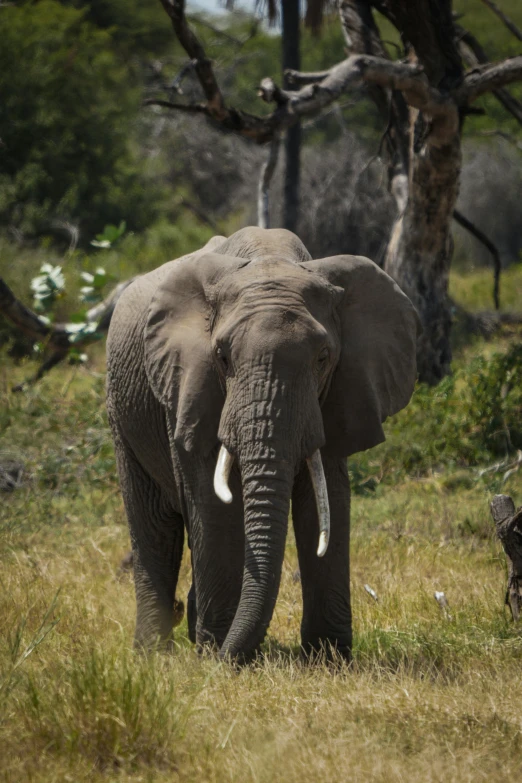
column 470, row 419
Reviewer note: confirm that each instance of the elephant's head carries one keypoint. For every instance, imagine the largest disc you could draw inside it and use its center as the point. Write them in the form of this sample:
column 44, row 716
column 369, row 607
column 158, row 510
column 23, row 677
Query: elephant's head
column 276, row 356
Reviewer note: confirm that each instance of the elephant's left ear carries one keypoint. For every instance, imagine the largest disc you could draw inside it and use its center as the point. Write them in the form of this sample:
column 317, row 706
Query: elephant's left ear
column 376, row 372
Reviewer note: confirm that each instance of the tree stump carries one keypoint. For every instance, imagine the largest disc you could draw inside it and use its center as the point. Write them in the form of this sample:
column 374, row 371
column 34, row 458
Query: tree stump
column 508, row 524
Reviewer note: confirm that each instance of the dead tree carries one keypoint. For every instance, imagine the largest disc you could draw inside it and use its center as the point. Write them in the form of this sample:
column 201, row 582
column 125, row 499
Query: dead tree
column 424, row 98
column 508, row 524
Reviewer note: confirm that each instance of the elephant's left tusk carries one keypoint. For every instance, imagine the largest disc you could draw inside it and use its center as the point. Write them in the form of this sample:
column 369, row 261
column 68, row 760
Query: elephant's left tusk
column 315, row 466
column 221, row 475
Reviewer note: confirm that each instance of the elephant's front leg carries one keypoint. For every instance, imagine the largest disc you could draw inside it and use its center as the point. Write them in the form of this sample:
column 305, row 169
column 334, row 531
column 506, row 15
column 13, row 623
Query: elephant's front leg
column 157, row 546
column 327, row 618
column 217, row 543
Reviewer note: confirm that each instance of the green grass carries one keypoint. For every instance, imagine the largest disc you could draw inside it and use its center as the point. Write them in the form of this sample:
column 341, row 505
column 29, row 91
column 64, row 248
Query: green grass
column 430, row 696
column 474, row 290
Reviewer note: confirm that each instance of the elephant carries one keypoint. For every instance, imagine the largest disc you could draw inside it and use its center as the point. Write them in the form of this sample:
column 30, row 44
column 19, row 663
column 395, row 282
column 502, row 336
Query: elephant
column 240, row 377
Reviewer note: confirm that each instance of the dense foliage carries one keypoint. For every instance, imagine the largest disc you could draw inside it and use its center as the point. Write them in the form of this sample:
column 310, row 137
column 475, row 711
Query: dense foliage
column 66, row 114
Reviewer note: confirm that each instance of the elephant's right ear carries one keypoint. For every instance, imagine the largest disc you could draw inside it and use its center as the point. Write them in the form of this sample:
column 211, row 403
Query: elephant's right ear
column 178, row 358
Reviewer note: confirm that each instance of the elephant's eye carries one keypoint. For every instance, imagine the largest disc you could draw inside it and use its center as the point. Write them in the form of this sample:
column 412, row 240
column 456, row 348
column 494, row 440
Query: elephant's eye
column 323, row 356
column 222, row 359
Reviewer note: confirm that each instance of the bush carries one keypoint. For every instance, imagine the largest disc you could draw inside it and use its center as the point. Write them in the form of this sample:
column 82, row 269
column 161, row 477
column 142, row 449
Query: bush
column 470, row 419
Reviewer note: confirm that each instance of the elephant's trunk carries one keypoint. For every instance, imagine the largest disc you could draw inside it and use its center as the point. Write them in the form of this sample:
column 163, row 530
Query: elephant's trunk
column 315, row 466
column 267, row 486
column 269, row 424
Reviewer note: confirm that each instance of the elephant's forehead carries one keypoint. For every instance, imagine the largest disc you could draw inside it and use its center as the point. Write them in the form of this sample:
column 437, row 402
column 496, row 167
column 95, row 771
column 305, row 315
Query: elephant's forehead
column 267, row 278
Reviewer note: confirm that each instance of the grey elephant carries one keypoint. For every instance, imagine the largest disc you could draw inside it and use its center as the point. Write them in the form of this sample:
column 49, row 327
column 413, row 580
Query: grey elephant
column 241, row 377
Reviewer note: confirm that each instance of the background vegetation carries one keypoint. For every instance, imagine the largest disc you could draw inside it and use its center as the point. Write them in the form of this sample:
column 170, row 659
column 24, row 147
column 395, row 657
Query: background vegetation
column 432, row 695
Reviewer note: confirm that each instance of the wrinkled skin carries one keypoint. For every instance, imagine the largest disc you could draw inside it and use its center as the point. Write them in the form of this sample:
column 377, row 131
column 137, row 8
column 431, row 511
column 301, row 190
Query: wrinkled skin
column 251, row 344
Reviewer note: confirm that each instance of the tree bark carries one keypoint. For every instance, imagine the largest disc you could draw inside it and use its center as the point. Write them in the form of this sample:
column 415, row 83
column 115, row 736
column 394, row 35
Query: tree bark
column 420, row 248
column 508, row 524
column 263, row 188
column 291, row 58
column 422, row 149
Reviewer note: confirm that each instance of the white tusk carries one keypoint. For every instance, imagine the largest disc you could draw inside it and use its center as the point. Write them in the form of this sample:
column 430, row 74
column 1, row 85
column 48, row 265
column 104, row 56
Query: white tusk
column 222, row 473
column 315, row 466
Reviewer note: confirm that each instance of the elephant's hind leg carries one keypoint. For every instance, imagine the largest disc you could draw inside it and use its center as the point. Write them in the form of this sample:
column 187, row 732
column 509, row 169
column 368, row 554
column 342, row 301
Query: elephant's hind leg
column 157, row 534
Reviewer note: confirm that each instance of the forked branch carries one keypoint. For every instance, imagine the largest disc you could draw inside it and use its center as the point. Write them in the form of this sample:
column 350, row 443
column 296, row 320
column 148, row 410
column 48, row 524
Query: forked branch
column 323, row 88
column 487, row 78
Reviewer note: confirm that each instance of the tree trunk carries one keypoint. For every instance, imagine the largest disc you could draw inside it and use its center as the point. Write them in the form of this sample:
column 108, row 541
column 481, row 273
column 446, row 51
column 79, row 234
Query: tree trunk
column 420, row 249
column 291, row 59
column 508, row 524
column 423, row 155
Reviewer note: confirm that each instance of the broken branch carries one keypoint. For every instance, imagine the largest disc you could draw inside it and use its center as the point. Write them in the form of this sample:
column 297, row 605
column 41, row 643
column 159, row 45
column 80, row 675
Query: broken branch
column 488, row 78
column 474, row 54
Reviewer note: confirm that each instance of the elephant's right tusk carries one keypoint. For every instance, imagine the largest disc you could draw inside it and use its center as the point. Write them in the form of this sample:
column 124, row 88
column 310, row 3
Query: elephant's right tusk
column 222, row 473
column 315, row 466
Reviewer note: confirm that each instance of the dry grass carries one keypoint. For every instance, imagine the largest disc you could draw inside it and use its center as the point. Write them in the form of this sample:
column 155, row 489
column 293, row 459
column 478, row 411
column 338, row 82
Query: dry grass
column 428, row 698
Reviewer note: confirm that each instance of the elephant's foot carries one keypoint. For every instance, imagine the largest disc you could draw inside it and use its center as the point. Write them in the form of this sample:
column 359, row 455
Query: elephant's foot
column 209, row 642
column 333, row 650
column 151, row 644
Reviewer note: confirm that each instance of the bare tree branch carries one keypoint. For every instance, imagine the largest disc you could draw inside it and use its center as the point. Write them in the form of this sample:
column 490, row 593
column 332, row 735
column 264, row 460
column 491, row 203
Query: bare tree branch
column 474, row 54
column 177, row 80
column 362, row 37
column 203, row 67
column 190, row 108
column 487, row 78
column 265, row 178
column 358, row 69
column 29, row 323
column 55, row 358
column 322, row 89
column 511, row 26
column 478, row 234
column 503, row 135
column 269, row 92
column 299, row 79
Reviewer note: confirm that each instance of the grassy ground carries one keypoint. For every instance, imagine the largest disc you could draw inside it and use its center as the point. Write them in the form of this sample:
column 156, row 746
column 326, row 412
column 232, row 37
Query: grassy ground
column 430, row 696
